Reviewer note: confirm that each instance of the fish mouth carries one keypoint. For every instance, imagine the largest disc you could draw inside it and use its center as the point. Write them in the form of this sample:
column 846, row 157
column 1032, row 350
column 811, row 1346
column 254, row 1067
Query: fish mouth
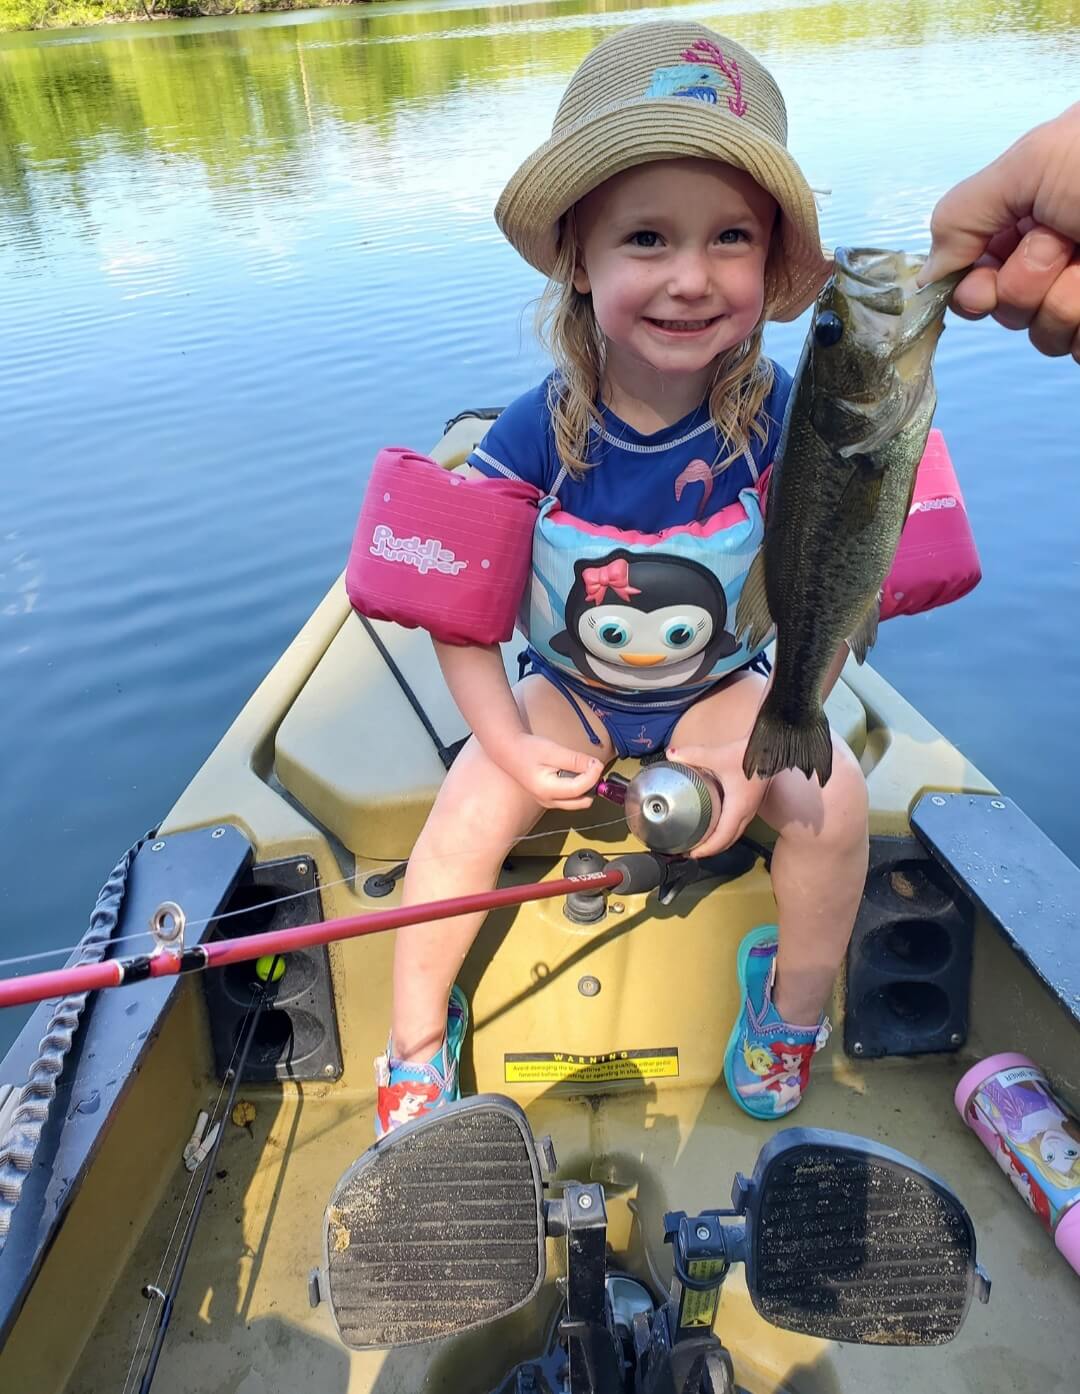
column 884, row 283
column 895, row 323
column 875, row 267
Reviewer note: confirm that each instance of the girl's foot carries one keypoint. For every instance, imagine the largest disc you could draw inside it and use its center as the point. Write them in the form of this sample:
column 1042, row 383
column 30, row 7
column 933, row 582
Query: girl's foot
column 408, row 1088
column 767, row 1062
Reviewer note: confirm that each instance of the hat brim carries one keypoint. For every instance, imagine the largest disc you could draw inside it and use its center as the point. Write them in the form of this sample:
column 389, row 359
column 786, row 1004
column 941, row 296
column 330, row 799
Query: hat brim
column 581, row 157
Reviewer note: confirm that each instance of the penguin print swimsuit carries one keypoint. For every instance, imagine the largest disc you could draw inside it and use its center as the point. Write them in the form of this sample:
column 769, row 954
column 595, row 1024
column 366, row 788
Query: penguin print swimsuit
column 636, row 627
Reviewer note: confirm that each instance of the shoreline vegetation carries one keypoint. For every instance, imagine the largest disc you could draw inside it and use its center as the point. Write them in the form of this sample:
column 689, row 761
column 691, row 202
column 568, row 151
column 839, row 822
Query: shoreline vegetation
column 16, row 15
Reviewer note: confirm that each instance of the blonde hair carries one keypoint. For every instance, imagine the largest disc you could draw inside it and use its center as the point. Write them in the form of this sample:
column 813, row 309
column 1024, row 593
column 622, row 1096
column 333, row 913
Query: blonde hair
column 567, row 327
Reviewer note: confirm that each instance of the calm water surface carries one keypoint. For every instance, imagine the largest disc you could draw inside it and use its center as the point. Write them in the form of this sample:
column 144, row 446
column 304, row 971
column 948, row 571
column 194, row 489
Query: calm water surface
column 237, row 256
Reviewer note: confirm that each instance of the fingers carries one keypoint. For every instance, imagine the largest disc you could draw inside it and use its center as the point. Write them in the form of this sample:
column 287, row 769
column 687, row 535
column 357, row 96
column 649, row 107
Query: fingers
column 976, row 295
column 1055, row 328
column 567, row 762
column 730, row 827
column 1036, row 287
column 1028, row 275
column 566, row 778
column 566, row 805
column 557, row 787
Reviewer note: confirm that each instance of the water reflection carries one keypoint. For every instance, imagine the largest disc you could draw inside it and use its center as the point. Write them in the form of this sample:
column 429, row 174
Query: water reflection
column 254, row 100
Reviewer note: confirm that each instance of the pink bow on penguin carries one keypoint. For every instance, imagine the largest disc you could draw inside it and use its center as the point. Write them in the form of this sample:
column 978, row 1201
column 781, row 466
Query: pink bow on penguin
column 615, row 576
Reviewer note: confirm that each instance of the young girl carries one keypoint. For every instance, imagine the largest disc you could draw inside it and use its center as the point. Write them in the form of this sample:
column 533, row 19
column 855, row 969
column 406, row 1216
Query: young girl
column 672, row 223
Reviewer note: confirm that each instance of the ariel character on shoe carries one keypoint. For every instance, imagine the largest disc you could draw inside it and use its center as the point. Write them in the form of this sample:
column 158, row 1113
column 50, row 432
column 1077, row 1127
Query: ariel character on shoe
column 783, row 1071
column 407, row 1089
column 767, row 1061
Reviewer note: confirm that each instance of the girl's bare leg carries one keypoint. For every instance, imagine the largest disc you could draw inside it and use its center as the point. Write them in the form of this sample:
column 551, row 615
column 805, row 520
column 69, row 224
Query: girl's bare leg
column 820, row 859
column 478, row 813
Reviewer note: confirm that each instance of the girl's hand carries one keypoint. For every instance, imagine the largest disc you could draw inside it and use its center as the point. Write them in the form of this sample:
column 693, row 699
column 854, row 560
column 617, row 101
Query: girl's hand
column 535, row 763
column 742, row 796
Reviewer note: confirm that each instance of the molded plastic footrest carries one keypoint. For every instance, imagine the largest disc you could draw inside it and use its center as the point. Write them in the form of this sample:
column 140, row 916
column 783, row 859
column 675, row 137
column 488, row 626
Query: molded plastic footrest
column 436, row 1229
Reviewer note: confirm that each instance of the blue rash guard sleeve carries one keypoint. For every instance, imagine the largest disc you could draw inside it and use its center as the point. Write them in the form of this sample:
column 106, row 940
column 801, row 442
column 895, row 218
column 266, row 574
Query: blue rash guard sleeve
column 519, row 444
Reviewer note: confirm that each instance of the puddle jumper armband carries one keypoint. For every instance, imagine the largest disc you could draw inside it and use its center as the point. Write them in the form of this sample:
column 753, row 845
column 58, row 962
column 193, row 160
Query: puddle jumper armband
column 436, row 551
column 936, row 561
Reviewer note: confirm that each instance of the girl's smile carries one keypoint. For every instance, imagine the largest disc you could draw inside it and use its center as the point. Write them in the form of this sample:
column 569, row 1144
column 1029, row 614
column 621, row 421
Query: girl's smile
column 684, row 327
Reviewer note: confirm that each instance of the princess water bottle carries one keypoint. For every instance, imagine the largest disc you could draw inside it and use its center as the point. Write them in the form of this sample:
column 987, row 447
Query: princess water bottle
column 1007, row 1102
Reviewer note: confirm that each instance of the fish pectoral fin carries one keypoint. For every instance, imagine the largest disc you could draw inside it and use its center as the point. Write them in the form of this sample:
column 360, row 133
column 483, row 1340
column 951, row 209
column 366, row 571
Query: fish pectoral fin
column 753, row 621
column 859, row 500
column 865, row 635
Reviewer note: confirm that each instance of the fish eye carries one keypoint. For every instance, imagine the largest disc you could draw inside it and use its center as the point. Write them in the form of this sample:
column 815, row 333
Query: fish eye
column 678, row 634
column 828, row 329
column 613, row 634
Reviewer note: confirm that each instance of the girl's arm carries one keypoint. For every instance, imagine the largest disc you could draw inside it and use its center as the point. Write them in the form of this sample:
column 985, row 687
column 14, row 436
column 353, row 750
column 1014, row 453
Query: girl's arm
column 478, row 684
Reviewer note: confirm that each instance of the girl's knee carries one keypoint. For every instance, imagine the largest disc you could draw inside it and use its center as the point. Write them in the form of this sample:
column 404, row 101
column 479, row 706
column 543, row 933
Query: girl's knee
column 846, row 789
column 478, row 804
column 833, row 814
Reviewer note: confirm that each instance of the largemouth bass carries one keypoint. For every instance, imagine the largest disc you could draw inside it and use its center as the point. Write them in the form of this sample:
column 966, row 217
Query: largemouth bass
column 854, row 432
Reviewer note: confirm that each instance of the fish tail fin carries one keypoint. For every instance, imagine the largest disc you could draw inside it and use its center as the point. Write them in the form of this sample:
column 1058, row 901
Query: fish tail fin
column 776, row 744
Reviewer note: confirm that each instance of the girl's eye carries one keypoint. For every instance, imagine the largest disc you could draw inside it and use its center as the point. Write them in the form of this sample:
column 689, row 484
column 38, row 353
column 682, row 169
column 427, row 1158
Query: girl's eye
column 645, row 238
column 613, row 634
column 678, row 634
column 733, row 234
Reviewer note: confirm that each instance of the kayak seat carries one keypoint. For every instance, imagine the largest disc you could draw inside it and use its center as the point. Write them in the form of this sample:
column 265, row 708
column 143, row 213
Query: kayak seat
column 374, row 795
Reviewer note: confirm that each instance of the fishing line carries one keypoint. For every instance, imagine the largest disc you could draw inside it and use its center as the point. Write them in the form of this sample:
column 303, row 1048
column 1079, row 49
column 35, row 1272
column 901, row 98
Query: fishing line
column 144, row 934
column 225, row 1082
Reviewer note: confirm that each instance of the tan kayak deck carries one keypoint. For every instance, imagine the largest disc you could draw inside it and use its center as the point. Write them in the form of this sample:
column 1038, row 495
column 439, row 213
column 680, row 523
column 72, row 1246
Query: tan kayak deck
column 243, row 1324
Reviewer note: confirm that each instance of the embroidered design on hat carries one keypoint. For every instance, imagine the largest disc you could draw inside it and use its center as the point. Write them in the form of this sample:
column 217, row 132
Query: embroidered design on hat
column 704, row 74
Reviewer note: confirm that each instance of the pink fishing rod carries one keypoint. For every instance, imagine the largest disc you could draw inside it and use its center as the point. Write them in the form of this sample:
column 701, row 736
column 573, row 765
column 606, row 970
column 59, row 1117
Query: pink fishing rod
column 631, row 872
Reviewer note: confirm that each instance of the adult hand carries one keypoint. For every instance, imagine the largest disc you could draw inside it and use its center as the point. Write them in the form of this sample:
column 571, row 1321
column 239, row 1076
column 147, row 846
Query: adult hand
column 535, row 763
column 742, row 796
column 1018, row 220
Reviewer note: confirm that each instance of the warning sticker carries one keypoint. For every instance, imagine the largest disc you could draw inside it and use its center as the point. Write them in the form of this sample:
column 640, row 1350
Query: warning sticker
column 564, row 1067
column 699, row 1308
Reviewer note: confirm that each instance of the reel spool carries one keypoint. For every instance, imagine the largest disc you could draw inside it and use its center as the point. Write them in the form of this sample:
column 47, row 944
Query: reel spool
column 672, row 807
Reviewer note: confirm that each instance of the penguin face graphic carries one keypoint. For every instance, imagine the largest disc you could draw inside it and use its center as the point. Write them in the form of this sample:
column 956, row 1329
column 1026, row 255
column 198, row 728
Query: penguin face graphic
column 644, row 622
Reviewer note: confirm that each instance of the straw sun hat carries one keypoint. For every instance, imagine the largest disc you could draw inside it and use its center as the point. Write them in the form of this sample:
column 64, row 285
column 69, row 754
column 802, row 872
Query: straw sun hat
column 668, row 91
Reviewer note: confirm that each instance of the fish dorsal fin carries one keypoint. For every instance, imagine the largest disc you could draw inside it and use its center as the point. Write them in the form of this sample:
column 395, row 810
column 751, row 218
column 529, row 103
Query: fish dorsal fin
column 753, row 622
column 865, row 635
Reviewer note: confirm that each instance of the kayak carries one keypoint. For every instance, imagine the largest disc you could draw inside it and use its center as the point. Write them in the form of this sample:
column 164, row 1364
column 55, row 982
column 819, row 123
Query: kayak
column 604, row 1024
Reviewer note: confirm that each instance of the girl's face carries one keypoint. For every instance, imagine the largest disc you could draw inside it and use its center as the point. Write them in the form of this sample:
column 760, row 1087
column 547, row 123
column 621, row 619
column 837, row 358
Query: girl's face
column 673, row 254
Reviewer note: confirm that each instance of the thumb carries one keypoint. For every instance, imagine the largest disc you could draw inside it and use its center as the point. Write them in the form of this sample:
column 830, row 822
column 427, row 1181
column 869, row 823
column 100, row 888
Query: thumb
column 967, row 217
column 574, row 762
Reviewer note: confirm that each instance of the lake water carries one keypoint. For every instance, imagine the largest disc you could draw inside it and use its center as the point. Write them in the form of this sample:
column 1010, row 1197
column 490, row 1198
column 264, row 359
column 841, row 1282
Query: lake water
column 236, row 256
